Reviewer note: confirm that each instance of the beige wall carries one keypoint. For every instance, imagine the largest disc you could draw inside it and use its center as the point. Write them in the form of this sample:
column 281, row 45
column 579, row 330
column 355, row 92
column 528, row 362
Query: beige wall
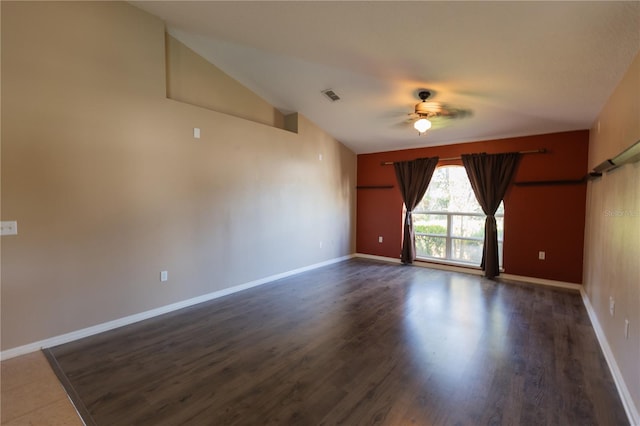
column 192, row 79
column 109, row 187
column 612, row 237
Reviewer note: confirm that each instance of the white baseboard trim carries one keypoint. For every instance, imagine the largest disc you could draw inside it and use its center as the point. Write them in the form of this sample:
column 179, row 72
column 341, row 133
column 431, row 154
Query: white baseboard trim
column 629, row 406
column 542, row 281
column 110, row 325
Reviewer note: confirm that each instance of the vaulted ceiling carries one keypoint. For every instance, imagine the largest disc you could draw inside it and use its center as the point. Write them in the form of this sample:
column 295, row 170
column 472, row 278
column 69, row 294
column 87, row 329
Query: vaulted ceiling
column 520, row 68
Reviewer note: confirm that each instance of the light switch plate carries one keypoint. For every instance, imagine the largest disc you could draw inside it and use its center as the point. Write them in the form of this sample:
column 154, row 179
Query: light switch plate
column 9, row 227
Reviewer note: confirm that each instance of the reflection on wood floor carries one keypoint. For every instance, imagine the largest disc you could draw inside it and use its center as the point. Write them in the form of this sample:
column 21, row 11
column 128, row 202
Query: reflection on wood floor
column 355, row 343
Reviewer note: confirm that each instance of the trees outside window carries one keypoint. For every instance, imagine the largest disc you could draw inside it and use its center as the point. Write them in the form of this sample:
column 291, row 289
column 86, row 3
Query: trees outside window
column 449, row 222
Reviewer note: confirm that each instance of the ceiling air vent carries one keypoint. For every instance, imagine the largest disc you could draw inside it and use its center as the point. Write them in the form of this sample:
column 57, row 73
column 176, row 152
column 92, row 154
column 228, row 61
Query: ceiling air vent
column 331, row 95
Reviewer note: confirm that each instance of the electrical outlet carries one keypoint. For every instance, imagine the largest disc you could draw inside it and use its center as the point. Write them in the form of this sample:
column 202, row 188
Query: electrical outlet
column 164, row 276
column 541, row 255
column 626, row 328
column 612, row 305
column 380, row 239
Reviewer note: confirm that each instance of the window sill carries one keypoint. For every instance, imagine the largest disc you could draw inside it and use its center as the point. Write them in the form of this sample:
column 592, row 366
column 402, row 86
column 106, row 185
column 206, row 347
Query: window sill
column 447, row 262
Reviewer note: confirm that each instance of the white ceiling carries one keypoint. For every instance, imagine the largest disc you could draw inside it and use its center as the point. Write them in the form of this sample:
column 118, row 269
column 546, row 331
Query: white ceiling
column 522, row 68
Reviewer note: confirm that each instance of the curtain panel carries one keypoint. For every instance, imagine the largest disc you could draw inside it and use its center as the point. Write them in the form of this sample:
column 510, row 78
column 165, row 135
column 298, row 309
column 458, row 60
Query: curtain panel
column 490, row 176
column 413, row 180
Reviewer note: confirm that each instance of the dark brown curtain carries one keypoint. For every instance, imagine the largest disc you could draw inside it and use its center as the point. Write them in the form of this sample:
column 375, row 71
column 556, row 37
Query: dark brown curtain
column 413, row 180
column 490, row 176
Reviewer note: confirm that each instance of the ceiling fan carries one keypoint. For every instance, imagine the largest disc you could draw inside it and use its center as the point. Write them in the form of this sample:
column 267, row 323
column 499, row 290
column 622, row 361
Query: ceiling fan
column 427, row 112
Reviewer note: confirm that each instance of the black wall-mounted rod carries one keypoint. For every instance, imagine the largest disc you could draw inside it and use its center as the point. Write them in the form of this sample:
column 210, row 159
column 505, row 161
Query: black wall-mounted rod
column 551, row 182
column 374, row 187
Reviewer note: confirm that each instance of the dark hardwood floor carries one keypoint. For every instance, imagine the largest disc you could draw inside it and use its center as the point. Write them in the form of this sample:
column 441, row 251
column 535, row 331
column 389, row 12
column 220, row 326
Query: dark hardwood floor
column 355, row 343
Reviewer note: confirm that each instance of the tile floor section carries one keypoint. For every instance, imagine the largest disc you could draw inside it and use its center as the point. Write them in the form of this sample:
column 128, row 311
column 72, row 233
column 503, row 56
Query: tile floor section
column 32, row 395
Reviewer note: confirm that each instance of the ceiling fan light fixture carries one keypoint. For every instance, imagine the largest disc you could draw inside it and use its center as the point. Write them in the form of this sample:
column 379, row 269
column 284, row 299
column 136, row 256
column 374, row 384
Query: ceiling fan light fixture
column 422, row 125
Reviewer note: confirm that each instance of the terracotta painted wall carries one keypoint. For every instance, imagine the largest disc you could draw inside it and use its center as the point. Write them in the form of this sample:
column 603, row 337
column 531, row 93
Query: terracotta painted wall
column 548, row 218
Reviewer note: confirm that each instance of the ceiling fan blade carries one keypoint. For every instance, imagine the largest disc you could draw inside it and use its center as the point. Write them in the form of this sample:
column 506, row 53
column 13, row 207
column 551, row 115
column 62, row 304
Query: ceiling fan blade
column 454, row 113
column 404, row 124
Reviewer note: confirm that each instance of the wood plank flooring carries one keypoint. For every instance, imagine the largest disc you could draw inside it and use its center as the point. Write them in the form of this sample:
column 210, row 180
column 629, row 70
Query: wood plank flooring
column 355, row 343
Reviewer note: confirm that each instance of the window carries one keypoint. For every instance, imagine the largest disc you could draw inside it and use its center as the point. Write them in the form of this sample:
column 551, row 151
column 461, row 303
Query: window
column 449, row 222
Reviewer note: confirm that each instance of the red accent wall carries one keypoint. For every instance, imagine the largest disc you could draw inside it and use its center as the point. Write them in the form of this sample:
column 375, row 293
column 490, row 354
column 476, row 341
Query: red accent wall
column 547, row 218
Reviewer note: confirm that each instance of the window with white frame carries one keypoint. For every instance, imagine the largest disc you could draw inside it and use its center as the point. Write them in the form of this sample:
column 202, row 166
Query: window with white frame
column 449, row 223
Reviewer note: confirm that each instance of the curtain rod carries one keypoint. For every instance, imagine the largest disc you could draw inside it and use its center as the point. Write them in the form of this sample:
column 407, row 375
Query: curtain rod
column 533, row 151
